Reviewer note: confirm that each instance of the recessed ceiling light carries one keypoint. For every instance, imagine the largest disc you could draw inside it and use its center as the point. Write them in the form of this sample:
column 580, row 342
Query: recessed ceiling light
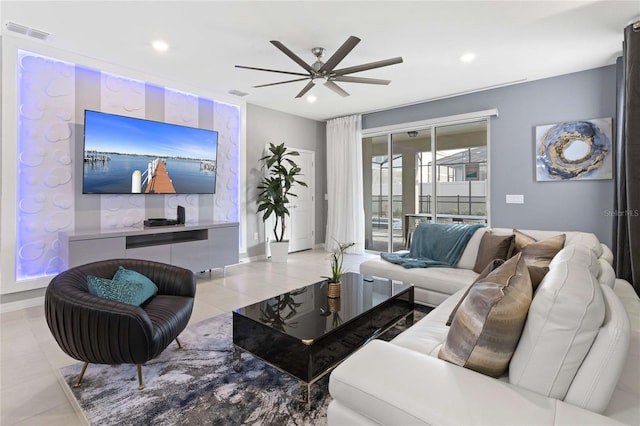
column 468, row 57
column 311, row 98
column 160, row 45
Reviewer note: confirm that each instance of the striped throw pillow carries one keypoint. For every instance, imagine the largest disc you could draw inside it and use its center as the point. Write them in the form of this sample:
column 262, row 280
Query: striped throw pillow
column 487, row 326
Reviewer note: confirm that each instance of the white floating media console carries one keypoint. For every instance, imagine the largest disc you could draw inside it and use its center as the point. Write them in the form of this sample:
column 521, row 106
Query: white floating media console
column 196, row 247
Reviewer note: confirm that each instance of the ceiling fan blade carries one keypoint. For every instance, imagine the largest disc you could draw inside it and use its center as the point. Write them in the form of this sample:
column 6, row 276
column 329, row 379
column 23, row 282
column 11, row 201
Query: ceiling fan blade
column 292, row 55
column 339, row 54
column 348, row 79
column 282, row 82
column 265, row 69
column 305, row 89
column 368, row 66
column 331, row 85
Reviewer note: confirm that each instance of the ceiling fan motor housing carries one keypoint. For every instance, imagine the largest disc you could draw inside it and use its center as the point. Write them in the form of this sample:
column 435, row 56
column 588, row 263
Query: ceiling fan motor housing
column 318, row 52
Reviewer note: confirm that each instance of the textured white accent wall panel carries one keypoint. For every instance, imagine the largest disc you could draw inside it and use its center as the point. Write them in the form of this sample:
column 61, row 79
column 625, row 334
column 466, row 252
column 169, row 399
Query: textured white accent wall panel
column 45, row 200
column 190, row 203
column 226, row 119
column 121, row 211
column 122, row 96
column 47, row 122
column 181, row 108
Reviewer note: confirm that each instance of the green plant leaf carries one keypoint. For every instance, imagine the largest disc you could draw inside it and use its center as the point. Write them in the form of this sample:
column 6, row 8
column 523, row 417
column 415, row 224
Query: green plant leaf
column 275, row 188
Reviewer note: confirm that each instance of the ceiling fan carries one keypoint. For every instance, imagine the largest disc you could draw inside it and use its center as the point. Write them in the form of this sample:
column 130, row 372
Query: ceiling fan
column 326, row 70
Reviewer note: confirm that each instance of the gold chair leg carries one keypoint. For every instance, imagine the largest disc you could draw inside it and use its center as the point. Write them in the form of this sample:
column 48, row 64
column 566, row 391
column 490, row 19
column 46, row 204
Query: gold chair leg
column 140, row 385
column 179, row 344
column 84, row 368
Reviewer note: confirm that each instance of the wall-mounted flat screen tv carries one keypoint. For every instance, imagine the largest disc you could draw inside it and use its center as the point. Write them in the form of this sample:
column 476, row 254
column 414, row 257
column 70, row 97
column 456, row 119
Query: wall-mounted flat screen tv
column 125, row 155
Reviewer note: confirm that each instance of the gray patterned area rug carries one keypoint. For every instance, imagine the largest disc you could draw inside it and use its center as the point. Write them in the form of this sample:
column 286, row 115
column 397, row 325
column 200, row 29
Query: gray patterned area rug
column 198, row 386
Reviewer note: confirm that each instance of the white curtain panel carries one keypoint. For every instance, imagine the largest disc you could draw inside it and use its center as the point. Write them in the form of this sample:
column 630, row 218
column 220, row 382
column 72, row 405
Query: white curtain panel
column 345, row 216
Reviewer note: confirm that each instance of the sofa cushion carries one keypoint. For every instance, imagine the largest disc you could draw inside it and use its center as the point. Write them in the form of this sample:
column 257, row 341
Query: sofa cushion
column 596, row 380
column 388, row 385
column 563, row 321
column 427, row 335
column 606, row 275
column 605, row 254
column 488, row 323
column 468, row 259
column 630, row 378
column 535, row 252
column 492, row 247
column 441, row 280
column 580, row 254
column 586, row 239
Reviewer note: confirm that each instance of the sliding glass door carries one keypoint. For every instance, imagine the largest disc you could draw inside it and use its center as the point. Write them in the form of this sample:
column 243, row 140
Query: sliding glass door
column 461, row 172
column 413, row 180
column 434, row 174
column 376, row 169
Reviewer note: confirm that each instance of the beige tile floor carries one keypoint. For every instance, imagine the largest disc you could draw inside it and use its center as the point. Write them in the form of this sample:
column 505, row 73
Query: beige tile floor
column 30, row 358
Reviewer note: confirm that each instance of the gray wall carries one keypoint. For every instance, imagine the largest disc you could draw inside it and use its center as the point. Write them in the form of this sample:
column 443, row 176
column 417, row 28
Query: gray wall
column 569, row 205
column 266, row 126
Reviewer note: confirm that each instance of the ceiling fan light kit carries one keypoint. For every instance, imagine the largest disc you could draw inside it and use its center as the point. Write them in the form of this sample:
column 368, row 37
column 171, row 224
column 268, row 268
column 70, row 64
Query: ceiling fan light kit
column 325, row 72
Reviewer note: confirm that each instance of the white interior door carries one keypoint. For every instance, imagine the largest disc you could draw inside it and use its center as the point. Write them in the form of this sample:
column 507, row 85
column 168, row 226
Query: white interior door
column 301, row 222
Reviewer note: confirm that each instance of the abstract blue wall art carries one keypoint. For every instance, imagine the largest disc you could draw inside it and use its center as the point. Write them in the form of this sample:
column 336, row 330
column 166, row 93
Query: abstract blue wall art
column 574, row 150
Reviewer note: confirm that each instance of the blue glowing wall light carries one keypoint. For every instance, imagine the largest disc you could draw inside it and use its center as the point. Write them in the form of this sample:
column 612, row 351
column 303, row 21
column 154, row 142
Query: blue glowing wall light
column 45, row 198
column 44, row 190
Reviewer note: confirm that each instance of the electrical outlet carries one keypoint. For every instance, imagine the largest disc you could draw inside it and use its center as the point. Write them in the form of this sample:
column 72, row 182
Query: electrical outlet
column 256, row 236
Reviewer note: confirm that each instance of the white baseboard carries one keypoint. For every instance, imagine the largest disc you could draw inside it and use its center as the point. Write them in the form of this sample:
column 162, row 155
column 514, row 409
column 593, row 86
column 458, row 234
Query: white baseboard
column 258, row 258
column 21, row 304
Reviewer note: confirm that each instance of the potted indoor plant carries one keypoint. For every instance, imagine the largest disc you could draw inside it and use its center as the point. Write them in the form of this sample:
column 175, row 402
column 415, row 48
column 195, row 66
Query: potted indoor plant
column 337, row 261
column 280, row 178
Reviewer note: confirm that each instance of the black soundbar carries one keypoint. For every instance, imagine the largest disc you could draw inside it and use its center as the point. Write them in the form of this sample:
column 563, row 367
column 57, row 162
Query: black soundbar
column 166, row 222
column 160, row 222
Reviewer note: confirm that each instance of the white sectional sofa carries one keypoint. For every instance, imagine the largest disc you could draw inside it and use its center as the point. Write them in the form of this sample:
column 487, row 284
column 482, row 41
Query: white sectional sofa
column 577, row 361
column 434, row 285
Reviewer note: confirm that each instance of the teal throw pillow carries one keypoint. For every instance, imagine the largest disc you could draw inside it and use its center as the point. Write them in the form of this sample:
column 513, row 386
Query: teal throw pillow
column 127, row 286
column 123, row 274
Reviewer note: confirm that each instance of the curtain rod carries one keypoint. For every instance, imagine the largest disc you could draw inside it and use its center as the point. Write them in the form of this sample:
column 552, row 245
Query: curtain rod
column 438, row 98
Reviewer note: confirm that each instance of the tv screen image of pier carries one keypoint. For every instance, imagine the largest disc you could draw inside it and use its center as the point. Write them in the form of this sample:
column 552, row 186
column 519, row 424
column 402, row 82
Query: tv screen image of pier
column 125, row 155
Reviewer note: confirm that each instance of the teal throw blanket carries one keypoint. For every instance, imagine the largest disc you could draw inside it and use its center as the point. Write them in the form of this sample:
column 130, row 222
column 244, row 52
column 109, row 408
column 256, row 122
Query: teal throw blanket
column 435, row 244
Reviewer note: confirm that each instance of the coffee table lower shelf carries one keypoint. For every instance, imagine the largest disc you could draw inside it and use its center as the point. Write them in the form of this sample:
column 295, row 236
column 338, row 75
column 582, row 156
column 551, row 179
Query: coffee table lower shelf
column 305, row 386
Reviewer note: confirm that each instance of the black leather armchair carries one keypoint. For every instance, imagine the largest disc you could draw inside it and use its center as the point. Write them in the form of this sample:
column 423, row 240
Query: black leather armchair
column 100, row 331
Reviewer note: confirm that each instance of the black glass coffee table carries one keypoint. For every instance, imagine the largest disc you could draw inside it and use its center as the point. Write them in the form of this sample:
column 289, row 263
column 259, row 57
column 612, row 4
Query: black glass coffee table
column 306, row 334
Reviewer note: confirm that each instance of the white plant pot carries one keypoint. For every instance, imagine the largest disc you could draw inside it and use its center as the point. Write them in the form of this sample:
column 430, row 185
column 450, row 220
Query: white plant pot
column 279, row 251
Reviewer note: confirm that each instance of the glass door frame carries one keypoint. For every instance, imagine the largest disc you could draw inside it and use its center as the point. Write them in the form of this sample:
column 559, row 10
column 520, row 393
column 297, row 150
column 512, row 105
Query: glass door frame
column 430, row 125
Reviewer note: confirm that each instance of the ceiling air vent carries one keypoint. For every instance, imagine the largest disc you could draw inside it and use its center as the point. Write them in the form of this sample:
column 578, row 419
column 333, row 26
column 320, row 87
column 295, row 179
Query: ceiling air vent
column 238, row 93
column 28, row 31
